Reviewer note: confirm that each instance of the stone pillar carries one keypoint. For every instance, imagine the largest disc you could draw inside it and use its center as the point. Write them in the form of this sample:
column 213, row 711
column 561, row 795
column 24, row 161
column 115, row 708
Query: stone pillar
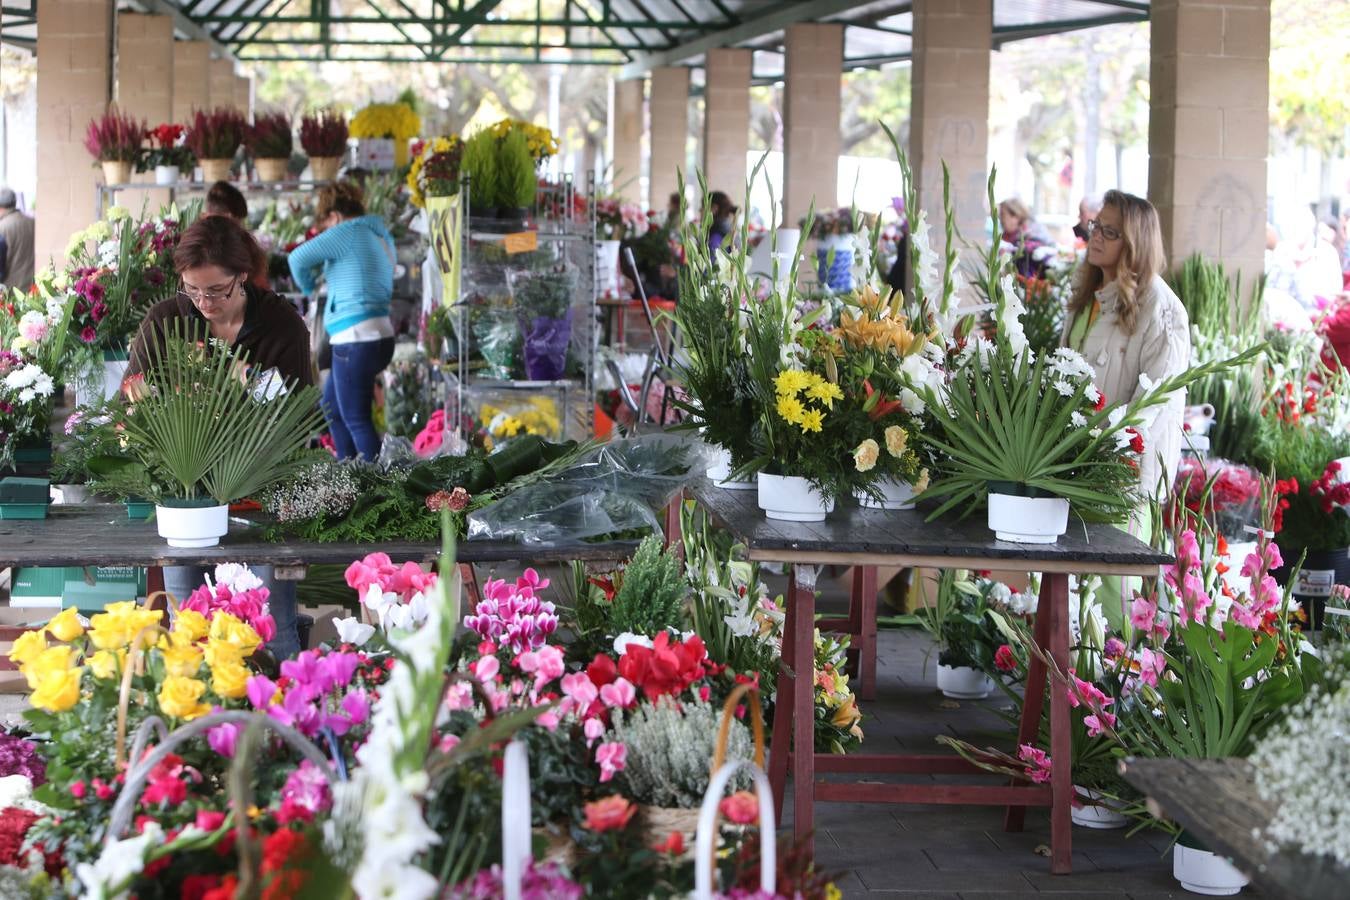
column 145, row 85
column 243, row 95
column 74, row 65
column 811, row 106
column 191, row 79
column 670, row 129
column 625, row 138
column 950, row 111
column 1208, row 129
column 221, row 78
column 726, row 121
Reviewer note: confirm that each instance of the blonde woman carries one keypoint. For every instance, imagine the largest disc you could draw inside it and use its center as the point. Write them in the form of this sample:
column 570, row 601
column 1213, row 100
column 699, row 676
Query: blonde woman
column 1132, row 330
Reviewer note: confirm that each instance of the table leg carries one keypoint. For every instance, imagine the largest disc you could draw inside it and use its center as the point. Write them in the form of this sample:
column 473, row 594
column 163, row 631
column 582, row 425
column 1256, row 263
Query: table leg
column 154, row 584
column 1034, row 695
column 780, row 742
column 802, row 636
column 1061, row 776
column 863, row 623
column 468, row 579
column 674, row 533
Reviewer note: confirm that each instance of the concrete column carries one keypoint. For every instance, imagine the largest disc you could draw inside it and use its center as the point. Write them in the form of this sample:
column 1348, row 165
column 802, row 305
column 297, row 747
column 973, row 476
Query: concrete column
column 670, row 129
column 1208, row 129
column 74, row 64
column 221, row 78
column 950, row 110
column 243, row 95
column 811, row 106
column 726, row 120
column 191, row 79
column 625, row 137
column 145, row 85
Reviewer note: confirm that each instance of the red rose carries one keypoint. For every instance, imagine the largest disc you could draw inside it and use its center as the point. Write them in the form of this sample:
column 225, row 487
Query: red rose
column 610, row 814
column 1004, row 660
column 197, row 887
column 741, row 808
column 674, row 845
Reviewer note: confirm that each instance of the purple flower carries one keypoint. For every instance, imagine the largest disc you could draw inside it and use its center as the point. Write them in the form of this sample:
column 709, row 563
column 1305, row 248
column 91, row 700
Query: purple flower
column 20, row 757
column 539, row 881
column 260, row 690
column 222, row 739
column 307, row 788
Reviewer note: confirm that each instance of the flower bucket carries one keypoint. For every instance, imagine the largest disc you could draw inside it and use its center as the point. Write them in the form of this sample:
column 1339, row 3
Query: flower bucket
column 895, row 494
column 271, row 169
column 607, row 268
column 166, row 175
column 116, row 171
column 1204, row 872
column 1096, row 811
column 719, row 473
column 24, row 498
column 105, row 381
column 192, row 526
column 1028, row 520
column 138, row 510
column 963, row 682
column 215, row 170
column 834, row 263
column 788, row 498
column 324, row 168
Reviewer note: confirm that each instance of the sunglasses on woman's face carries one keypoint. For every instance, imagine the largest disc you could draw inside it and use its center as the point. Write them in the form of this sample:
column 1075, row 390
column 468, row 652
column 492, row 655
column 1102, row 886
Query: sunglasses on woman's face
column 1106, row 231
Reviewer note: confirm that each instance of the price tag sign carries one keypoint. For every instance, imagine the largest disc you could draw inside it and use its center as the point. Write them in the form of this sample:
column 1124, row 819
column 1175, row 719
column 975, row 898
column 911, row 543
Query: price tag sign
column 520, row 242
column 1315, row 582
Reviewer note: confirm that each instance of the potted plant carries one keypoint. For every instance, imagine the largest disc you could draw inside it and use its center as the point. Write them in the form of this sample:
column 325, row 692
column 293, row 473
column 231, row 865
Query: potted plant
column 199, row 437
column 269, row 140
column 114, row 140
column 516, row 179
column 167, row 154
column 480, row 166
column 435, row 169
column 543, row 302
column 958, row 619
column 214, row 136
column 33, row 361
column 323, row 136
column 383, row 131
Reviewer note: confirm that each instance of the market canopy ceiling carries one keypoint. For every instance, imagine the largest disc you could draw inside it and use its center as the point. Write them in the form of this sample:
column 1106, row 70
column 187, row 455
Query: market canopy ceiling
column 635, row 35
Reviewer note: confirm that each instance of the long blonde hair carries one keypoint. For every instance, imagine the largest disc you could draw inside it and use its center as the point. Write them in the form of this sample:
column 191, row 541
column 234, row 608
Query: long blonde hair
column 1141, row 258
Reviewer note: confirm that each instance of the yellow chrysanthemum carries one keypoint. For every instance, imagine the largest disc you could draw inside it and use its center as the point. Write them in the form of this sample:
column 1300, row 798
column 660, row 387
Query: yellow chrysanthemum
column 396, row 121
column 791, row 409
column 826, row 392
column 792, row 381
column 813, row 420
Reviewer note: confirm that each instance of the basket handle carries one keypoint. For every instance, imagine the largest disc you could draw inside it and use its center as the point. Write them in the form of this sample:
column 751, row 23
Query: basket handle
column 724, row 729
column 169, row 601
column 135, row 660
column 516, row 833
column 710, row 813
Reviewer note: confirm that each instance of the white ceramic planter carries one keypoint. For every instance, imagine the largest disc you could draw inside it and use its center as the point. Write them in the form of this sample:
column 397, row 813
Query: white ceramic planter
column 791, row 499
column 719, row 473
column 1098, row 815
column 192, row 526
column 963, row 682
column 1028, row 520
column 607, row 268
column 895, row 495
column 1204, row 872
column 166, row 175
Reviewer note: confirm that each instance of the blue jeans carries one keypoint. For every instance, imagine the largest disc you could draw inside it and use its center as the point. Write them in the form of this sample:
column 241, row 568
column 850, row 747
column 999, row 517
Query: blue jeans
column 349, row 392
column 181, row 581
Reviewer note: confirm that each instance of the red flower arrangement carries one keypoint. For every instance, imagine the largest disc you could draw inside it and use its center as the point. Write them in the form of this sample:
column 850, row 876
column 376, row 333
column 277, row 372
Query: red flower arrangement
column 1329, row 490
column 666, row 667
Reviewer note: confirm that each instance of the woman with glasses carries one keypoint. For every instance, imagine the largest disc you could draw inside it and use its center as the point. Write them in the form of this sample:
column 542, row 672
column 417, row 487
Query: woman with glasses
column 217, row 302
column 1134, row 332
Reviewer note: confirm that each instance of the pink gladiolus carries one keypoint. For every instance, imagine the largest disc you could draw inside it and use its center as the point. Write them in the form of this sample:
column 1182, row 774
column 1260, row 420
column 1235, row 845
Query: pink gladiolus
column 1099, row 722
column 1151, row 666
column 611, row 757
column 1143, row 612
column 1038, row 763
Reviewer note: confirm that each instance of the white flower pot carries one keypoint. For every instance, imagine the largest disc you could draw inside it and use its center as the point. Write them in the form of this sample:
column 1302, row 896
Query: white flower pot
column 1204, row 872
column 192, row 526
column 104, row 383
column 788, row 498
column 895, row 494
column 166, row 174
column 963, row 682
column 719, row 473
column 1096, row 815
column 1028, row 520
column 607, row 268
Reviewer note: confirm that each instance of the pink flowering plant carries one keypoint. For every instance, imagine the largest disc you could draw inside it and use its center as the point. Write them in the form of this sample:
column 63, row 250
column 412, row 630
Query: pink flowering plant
column 237, row 591
column 616, row 220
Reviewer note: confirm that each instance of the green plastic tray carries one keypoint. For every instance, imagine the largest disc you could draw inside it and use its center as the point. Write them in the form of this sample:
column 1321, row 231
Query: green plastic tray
column 23, row 510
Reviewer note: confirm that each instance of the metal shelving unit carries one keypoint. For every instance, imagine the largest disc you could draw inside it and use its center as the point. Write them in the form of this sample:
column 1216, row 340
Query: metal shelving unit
column 103, row 193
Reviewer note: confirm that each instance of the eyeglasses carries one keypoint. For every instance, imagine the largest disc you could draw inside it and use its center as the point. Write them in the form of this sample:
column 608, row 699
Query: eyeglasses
column 1111, row 234
column 209, row 296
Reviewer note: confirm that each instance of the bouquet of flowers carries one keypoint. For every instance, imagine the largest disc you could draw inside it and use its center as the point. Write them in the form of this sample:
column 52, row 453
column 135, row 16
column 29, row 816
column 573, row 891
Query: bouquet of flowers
column 435, row 169
column 216, row 133
column 167, row 148
column 616, row 220
column 1226, row 495
column 393, row 121
column 33, row 335
column 323, row 134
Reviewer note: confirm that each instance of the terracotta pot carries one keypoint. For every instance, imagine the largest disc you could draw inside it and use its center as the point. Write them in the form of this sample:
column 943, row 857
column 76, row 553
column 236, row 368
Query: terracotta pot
column 116, row 171
column 271, row 169
column 324, row 168
column 214, row 170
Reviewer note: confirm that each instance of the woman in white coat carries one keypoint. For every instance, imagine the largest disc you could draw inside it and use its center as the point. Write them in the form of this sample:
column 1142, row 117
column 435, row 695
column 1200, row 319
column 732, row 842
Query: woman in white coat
column 1134, row 332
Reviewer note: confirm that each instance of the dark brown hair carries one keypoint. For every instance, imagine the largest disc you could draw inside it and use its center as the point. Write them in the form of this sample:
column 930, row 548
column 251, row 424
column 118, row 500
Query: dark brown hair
column 342, row 197
column 224, row 199
column 218, row 241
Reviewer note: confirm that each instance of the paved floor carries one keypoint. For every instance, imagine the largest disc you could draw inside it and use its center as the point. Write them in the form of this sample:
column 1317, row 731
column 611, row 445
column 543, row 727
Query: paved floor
column 952, row 852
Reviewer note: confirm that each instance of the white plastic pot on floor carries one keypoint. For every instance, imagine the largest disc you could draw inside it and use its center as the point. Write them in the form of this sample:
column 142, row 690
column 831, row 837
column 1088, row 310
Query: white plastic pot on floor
column 788, row 498
column 1096, row 815
column 607, row 268
column 963, row 682
column 895, row 494
column 1205, row 872
column 192, row 526
column 1028, row 520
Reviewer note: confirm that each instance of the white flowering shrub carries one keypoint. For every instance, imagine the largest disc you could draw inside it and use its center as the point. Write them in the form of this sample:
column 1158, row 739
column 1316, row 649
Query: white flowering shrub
column 321, row 489
column 670, row 751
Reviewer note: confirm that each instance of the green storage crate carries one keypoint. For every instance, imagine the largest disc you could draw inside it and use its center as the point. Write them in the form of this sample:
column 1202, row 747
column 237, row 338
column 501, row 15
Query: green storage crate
column 88, row 589
column 24, row 498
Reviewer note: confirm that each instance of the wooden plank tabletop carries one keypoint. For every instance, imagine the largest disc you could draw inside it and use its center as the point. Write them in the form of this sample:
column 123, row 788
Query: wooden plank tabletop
column 852, row 535
column 101, row 534
column 1216, row 800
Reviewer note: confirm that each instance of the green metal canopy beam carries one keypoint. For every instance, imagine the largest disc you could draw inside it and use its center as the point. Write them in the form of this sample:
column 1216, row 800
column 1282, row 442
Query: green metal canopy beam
column 184, row 23
column 468, row 17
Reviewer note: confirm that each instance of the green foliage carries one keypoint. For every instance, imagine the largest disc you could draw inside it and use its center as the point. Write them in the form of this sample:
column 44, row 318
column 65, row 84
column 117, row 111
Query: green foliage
column 648, row 596
column 481, row 167
column 959, row 620
column 670, row 751
column 516, row 167
column 1301, row 451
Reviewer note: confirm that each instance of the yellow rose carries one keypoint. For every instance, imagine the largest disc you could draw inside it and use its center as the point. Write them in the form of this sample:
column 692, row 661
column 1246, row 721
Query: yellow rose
column 896, row 438
column 223, row 653
column 66, row 625
column 233, row 630
column 865, row 457
column 26, row 647
column 229, row 680
column 106, row 663
column 114, row 628
column 922, row 484
column 182, row 661
column 58, row 691
column 181, row 697
column 53, row 659
column 191, row 625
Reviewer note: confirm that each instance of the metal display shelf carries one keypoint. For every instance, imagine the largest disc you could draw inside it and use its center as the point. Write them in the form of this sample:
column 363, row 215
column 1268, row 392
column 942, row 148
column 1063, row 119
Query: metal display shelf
column 103, row 193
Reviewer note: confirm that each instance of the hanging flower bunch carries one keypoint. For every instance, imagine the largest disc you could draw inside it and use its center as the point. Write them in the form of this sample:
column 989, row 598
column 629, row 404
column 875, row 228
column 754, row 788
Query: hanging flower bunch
column 435, row 169
column 538, row 138
column 394, row 121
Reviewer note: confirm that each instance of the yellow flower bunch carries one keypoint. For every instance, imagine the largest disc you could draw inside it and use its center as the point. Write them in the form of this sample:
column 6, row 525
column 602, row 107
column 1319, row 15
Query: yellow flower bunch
column 385, row 120
column 435, row 147
column 539, row 139
column 539, row 417
column 797, row 390
column 114, row 628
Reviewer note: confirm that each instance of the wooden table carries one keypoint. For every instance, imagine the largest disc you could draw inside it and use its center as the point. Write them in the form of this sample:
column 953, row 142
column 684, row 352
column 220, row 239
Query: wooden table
column 852, row 536
column 1216, row 800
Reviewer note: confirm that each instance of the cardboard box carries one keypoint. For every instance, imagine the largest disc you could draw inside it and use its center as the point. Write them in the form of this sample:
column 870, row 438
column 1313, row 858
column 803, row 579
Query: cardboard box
column 89, row 589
